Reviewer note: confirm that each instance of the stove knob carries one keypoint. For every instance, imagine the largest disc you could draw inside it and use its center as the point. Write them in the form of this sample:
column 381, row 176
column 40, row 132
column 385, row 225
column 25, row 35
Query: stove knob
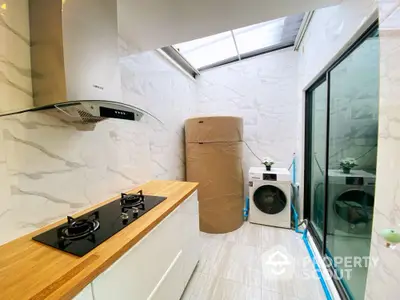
column 124, row 216
column 135, row 211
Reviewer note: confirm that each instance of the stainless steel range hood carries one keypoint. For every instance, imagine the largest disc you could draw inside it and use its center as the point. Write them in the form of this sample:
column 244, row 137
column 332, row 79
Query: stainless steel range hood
column 74, row 59
column 84, row 114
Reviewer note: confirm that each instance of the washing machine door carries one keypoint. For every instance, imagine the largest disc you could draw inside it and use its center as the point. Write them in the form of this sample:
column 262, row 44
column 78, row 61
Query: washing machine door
column 354, row 206
column 270, row 199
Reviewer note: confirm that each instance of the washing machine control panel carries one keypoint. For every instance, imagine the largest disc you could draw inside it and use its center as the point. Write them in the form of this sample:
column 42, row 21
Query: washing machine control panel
column 270, row 177
column 276, row 174
column 265, row 176
column 354, row 180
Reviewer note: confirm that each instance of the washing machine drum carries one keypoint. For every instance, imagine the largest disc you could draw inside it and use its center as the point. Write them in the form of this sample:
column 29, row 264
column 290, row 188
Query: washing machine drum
column 270, row 199
column 355, row 206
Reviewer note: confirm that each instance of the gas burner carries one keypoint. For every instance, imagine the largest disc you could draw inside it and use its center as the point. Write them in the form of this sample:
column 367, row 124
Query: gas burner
column 132, row 200
column 81, row 235
column 79, row 228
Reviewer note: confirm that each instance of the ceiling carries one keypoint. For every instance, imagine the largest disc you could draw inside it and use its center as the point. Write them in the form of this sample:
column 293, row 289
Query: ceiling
column 152, row 24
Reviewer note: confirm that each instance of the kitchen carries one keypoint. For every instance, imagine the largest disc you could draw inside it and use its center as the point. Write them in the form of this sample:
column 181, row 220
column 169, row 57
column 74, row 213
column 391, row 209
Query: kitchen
column 50, row 168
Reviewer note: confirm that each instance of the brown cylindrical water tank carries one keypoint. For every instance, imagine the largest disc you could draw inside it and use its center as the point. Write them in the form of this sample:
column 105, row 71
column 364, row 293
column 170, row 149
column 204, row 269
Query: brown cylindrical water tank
column 214, row 159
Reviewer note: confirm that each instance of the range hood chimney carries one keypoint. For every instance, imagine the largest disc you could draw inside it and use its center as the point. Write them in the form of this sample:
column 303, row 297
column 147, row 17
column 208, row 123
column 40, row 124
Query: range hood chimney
column 74, row 58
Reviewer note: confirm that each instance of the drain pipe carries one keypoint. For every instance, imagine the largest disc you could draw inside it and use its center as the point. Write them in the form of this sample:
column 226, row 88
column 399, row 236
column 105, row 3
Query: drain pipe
column 294, row 212
column 296, row 220
column 305, row 239
column 294, row 169
column 246, row 209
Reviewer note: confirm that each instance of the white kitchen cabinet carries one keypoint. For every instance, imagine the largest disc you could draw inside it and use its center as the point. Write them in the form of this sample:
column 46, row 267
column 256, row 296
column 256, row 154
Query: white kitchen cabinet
column 160, row 265
column 189, row 212
column 171, row 284
column 85, row 294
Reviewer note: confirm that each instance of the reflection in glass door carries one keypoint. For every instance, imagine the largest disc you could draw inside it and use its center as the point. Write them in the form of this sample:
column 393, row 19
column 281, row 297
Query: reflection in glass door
column 317, row 101
column 341, row 143
column 353, row 132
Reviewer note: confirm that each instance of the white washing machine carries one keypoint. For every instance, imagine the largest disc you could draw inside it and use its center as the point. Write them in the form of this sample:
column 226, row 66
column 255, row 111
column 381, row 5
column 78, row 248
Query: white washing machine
column 350, row 203
column 270, row 195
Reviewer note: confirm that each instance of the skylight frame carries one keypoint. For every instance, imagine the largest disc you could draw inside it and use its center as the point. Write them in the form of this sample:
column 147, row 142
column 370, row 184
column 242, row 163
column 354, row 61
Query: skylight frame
column 248, row 55
column 290, row 27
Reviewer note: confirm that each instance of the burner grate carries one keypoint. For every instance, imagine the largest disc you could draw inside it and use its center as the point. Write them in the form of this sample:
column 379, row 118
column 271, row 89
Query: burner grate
column 132, row 200
column 79, row 228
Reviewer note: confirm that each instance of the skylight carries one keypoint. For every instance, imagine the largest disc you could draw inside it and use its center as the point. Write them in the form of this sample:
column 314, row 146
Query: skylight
column 234, row 45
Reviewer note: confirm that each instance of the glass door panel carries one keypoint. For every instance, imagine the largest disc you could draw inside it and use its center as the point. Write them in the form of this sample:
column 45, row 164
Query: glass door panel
column 318, row 103
column 353, row 127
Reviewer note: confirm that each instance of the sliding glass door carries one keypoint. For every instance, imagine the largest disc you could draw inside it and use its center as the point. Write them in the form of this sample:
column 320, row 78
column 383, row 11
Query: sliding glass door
column 341, row 142
column 353, row 133
column 317, row 98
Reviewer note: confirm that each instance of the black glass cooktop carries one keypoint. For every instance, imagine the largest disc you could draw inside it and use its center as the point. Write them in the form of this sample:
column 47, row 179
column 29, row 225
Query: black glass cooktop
column 81, row 235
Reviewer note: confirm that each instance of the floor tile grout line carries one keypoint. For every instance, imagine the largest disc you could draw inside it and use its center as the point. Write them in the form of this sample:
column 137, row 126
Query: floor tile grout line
column 239, row 239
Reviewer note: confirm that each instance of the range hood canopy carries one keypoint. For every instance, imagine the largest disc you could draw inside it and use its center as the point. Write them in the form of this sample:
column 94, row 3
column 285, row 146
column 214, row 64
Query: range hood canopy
column 89, row 111
column 74, row 59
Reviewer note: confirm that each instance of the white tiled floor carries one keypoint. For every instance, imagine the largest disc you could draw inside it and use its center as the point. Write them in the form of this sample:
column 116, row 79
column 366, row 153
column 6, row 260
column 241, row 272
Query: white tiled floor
column 230, row 267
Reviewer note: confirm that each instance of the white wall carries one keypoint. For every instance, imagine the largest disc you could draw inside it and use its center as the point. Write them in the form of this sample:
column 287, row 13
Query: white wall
column 262, row 91
column 330, row 31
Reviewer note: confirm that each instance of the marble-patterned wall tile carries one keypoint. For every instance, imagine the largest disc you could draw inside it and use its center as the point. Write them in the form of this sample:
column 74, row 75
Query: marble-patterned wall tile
column 384, row 278
column 150, row 82
column 4, row 180
column 54, row 170
column 262, row 91
column 50, row 169
column 15, row 73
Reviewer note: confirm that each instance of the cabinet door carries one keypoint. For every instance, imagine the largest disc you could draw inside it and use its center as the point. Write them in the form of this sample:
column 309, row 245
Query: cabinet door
column 189, row 212
column 137, row 273
column 85, row 294
column 171, row 286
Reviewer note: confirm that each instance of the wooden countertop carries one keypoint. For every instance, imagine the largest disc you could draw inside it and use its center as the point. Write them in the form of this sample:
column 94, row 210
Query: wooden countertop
column 31, row 270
